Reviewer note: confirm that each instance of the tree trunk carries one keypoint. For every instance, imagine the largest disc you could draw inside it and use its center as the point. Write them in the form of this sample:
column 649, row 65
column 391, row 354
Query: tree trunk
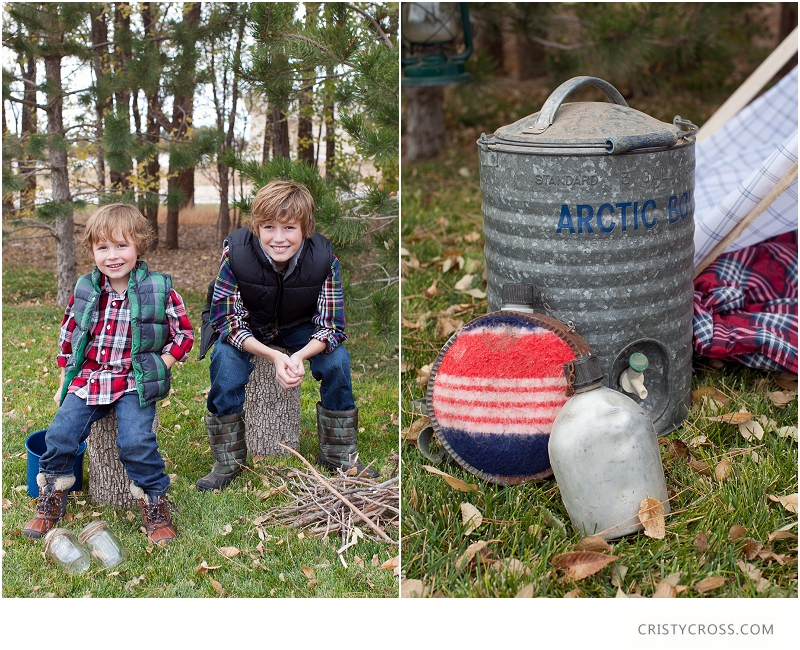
column 29, row 126
column 425, row 129
column 280, row 134
column 97, row 15
column 330, row 127
column 8, row 202
column 271, row 413
column 224, row 218
column 150, row 184
column 109, row 484
column 59, row 180
column 269, row 127
column 530, row 59
column 122, row 44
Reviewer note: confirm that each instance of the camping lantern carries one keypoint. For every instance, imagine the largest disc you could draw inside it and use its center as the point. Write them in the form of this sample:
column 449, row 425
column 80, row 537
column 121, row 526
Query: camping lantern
column 437, row 40
column 593, row 203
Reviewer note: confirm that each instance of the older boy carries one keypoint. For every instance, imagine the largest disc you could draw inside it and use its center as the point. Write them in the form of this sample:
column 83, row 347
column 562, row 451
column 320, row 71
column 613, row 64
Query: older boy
column 122, row 331
column 279, row 284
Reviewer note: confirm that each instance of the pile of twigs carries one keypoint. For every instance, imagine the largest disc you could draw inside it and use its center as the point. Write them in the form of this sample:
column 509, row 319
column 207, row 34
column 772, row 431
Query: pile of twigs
column 335, row 505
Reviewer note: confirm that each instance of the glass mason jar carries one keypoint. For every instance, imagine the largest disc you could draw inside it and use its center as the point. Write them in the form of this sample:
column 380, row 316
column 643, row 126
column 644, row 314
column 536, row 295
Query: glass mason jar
column 102, row 544
column 62, row 547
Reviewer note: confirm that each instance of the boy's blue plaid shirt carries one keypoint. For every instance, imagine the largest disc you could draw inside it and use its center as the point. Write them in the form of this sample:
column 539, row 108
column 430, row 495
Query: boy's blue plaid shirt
column 229, row 315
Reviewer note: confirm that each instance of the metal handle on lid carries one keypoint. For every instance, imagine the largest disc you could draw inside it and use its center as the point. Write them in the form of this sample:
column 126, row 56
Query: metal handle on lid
column 557, row 97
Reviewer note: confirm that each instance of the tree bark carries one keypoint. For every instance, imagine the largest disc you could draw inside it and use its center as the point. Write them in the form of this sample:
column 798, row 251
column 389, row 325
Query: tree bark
column 121, row 180
column 271, row 413
column 150, row 184
column 59, row 180
column 330, row 126
column 109, row 484
column 29, row 125
column 181, row 182
column 425, row 129
column 97, row 15
column 280, row 134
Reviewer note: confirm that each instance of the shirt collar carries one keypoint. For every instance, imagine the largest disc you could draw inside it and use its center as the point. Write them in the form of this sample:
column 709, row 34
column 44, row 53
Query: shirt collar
column 291, row 264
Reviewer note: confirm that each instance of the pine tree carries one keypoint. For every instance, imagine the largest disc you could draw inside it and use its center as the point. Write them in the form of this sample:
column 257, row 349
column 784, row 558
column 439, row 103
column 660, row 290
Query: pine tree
column 351, row 49
column 52, row 31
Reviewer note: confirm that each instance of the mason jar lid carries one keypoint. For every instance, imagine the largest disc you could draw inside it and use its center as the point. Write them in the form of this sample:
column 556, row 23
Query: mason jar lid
column 53, row 533
column 92, row 529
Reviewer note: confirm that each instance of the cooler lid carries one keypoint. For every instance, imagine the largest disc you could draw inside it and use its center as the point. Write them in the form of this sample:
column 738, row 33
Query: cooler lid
column 613, row 127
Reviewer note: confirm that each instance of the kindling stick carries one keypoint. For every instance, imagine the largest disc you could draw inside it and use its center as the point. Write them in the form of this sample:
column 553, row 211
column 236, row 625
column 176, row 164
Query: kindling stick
column 756, row 212
column 367, row 520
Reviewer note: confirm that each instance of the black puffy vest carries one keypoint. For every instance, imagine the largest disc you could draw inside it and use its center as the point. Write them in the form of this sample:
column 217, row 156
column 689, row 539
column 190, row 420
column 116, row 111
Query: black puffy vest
column 271, row 299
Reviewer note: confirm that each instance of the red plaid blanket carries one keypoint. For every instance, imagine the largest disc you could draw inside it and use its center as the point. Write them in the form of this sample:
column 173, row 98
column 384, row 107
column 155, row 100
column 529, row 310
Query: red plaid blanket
column 745, row 306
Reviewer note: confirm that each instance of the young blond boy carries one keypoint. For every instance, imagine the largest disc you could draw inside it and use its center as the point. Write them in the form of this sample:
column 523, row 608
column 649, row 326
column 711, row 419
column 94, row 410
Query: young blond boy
column 279, row 284
column 121, row 333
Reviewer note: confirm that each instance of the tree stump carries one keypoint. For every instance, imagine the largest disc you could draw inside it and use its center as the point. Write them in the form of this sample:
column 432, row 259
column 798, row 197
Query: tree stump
column 109, row 484
column 271, row 413
column 424, row 131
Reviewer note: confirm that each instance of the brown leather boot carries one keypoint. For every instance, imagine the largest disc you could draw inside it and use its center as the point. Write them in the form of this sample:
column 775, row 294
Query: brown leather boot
column 156, row 516
column 51, row 504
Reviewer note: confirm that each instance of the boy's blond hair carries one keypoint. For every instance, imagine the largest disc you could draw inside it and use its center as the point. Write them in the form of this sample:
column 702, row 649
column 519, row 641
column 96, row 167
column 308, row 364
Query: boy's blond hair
column 282, row 202
column 118, row 217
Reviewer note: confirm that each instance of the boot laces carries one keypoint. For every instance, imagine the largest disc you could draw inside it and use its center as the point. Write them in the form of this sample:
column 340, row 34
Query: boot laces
column 50, row 504
column 158, row 513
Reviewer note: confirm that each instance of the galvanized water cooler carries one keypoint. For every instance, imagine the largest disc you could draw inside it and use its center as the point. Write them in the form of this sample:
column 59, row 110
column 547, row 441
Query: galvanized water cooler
column 594, row 204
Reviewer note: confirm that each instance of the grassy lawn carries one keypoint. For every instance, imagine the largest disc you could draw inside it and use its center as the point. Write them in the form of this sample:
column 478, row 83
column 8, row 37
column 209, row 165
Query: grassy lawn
column 276, row 563
column 727, row 485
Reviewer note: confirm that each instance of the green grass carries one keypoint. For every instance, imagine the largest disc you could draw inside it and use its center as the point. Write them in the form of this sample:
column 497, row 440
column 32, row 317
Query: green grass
column 528, row 523
column 30, row 378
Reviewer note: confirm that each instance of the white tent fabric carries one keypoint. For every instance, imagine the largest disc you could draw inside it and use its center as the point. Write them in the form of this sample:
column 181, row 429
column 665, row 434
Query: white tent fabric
column 738, row 166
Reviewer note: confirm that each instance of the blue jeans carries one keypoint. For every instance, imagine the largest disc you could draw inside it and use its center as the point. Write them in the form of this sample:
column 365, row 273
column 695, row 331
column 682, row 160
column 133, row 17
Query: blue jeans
column 230, row 371
column 138, row 448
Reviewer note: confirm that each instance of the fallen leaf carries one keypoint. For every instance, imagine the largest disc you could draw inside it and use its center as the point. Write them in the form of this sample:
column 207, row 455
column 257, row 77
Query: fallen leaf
column 781, row 398
column 787, row 432
column 751, row 548
column 452, row 481
column 464, row 283
column 525, row 592
column 665, row 590
column 445, row 326
column 411, row 434
column 789, row 501
column 468, row 555
column 574, row 593
column 699, row 466
column 228, row 551
column 581, row 564
column 751, row 429
column 308, row 572
column 412, row 588
column 701, row 541
column 787, row 381
column 651, row 514
column 675, row 447
column 753, row 572
column 204, row 567
column 736, row 532
column 470, row 517
column 723, row 470
column 781, row 534
column 511, row 565
column 732, row 418
column 618, row 573
column 710, row 583
column 7, row 504
column 228, row 529
column 593, row 543
column 432, row 291
column 480, row 294
column 217, row 586
column 472, row 237
column 423, row 374
column 713, row 397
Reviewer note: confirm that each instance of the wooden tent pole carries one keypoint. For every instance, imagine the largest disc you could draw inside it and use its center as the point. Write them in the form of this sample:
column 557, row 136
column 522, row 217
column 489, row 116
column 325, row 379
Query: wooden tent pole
column 788, row 178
